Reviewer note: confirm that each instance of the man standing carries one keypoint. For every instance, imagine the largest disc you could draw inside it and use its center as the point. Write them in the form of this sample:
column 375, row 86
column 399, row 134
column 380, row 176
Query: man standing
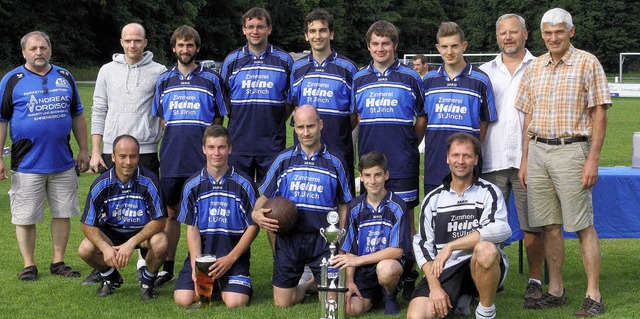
column 41, row 104
column 188, row 99
column 323, row 79
column 503, row 142
column 387, row 98
column 462, row 223
column 458, row 98
column 564, row 95
column 257, row 79
column 314, row 179
column 216, row 206
column 122, row 101
column 420, row 65
column 124, row 211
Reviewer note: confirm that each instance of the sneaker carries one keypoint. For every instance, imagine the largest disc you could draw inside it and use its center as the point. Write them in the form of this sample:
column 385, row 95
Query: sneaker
column 139, row 274
column 533, row 291
column 547, row 301
column 463, row 308
column 147, row 292
column 92, row 278
column 109, row 284
column 391, row 305
column 590, row 308
column 163, row 278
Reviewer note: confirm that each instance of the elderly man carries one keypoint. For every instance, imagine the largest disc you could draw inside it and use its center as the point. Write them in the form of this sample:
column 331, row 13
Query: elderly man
column 503, row 142
column 41, row 104
column 564, row 95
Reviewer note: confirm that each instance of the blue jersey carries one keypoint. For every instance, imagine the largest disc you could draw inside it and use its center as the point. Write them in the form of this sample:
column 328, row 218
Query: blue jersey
column 221, row 210
column 187, row 104
column 387, row 104
column 40, row 110
column 453, row 105
column 258, row 87
column 125, row 208
column 372, row 230
column 327, row 86
column 316, row 184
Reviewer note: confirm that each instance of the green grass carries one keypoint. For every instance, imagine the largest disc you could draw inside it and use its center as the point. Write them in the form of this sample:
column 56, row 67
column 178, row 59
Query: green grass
column 51, row 297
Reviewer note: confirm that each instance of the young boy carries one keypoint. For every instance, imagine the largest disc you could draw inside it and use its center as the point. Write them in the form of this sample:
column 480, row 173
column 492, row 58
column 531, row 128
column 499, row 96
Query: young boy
column 378, row 235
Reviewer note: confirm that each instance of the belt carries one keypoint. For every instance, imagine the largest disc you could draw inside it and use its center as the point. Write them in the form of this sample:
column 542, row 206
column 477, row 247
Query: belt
column 560, row 141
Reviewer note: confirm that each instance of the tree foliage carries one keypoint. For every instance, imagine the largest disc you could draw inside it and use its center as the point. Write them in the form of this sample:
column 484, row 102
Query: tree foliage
column 87, row 32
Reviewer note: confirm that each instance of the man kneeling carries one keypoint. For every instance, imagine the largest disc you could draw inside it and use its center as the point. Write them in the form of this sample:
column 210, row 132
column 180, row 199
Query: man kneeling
column 462, row 223
column 124, row 211
column 379, row 233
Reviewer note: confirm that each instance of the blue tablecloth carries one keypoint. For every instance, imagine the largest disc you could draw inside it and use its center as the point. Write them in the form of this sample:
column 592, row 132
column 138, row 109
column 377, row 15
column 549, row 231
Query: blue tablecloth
column 616, row 205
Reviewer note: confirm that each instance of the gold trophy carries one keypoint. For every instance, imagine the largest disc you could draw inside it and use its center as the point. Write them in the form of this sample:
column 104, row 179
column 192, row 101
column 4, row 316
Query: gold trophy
column 331, row 278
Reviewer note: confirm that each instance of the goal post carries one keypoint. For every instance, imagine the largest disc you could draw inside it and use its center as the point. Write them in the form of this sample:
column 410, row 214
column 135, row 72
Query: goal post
column 436, row 59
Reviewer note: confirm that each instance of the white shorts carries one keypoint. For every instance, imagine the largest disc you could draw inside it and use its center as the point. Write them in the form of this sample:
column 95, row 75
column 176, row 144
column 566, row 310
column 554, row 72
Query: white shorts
column 28, row 192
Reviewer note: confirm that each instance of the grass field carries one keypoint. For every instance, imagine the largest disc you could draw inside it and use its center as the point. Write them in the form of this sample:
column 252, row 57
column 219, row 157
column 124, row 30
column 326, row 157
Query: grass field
column 52, row 297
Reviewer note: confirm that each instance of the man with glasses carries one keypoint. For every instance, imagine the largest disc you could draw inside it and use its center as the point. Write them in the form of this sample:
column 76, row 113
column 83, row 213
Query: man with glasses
column 257, row 79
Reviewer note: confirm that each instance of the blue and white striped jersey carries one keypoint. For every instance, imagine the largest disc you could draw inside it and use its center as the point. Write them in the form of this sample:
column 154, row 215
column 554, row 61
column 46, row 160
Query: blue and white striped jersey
column 187, row 104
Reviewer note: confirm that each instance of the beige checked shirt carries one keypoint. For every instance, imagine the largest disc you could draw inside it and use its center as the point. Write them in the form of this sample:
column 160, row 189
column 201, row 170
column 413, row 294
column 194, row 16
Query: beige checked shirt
column 559, row 95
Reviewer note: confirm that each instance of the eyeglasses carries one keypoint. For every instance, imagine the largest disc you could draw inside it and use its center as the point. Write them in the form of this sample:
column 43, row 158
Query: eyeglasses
column 260, row 27
column 45, row 89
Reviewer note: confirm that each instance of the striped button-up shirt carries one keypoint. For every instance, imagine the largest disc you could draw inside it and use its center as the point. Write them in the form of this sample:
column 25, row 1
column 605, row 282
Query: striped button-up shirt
column 559, row 94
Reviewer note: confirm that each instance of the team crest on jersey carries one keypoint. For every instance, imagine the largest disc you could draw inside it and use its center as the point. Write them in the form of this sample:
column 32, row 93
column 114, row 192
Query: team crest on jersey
column 61, row 83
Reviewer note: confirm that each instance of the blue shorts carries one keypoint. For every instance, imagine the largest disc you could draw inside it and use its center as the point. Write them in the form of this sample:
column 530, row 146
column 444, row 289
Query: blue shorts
column 293, row 252
column 172, row 190
column 232, row 281
column 405, row 188
column 253, row 166
column 118, row 238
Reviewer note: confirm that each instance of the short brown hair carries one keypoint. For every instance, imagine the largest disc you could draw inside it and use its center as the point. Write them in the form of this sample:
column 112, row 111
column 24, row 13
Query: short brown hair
column 186, row 33
column 448, row 29
column 383, row 28
column 373, row 159
column 258, row 13
column 216, row 130
column 462, row 137
column 420, row 57
column 318, row 15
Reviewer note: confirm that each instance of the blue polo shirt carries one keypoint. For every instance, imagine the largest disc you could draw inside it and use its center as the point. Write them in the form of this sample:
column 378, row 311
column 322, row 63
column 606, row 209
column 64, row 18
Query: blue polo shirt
column 187, row 104
column 124, row 207
column 453, row 105
column 40, row 111
column 316, row 184
column 220, row 209
column 327, row 86
column 257, row 87
column 387, row 104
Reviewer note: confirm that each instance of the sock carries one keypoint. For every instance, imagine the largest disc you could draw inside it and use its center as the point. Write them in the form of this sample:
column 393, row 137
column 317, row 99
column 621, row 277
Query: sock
column 148, row 277
column 141, row 263
column 483, row 312
column 537, row 281
column 106, row 273
column 168, row 266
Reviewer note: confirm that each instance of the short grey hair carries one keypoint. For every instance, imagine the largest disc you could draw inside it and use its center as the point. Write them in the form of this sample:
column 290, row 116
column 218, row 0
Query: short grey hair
column 557, row 16
column 512, row 15
column 23, row 41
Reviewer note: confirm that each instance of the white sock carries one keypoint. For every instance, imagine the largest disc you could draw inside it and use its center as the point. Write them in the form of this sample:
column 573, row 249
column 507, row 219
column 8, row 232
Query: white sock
column 141, row 263
column 107, row 273
column 483, row 312
column 537, row 281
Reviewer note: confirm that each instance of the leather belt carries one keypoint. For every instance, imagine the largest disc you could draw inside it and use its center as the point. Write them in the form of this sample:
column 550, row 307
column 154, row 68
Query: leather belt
column 560, row 141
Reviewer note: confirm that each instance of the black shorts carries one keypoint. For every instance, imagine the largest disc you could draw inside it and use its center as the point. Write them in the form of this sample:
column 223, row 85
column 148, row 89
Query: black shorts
column 119, row 238
column 456, row 281
column 254, row 166
column 232, row 281
column 172, row 190
column 292, row 253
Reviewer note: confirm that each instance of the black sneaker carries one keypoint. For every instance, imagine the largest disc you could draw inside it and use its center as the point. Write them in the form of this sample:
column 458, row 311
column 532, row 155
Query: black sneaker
column 109, row 284
column 547, row 301
column 590, row 308
column 92, row 278
column 147, row 292
column 139, row 272
column 163, row 278
column 533, row 292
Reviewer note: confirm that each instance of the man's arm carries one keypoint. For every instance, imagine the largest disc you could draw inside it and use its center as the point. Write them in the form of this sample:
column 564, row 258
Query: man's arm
column 598, row 116
column 96, row 154
column 98, row 117
column 342, row 213
column 125, row 250
column 483, row 130
column 99, row 239
column 79, row 127
column 351, row 260
column 194, row 244
column 4, row 174
column 439, row 297
column 224, row 263
column 420, row 127
column 522, row 173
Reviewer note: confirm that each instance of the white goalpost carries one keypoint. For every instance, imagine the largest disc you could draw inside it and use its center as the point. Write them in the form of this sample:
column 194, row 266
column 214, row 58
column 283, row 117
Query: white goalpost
column 436, row 59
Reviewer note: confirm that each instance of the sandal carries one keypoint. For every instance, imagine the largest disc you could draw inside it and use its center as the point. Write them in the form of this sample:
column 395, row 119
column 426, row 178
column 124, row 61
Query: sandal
column 61, row 269
column 28, row 273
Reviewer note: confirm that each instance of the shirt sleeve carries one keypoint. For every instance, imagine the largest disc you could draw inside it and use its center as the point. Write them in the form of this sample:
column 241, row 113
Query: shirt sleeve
column 494, row 223
column 100, row 104
column 423, row 240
